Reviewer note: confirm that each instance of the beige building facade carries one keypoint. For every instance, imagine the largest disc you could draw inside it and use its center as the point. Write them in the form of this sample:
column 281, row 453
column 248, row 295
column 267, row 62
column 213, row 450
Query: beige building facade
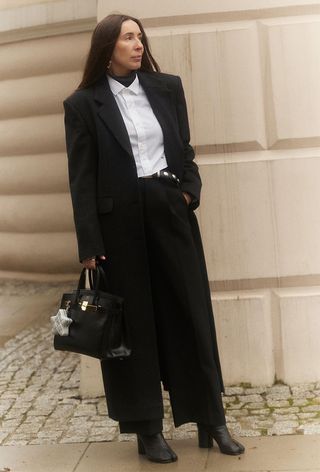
column 251, row 72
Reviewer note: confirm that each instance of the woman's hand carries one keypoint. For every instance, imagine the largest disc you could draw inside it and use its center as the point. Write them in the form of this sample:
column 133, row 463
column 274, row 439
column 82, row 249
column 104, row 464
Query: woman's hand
column 90, row 262
column 187, row 197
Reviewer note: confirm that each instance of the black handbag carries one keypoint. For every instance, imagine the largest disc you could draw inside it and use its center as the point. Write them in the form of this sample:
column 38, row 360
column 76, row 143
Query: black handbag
column 91, row 321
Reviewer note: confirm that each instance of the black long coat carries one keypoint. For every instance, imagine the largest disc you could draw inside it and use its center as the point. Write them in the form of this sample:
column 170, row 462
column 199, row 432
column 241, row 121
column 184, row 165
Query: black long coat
column 108, row 220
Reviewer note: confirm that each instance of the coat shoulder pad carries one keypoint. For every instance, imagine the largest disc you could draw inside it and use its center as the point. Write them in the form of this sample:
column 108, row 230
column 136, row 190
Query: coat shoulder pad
column 168, row 78
column 79, row 98
column 172, row 81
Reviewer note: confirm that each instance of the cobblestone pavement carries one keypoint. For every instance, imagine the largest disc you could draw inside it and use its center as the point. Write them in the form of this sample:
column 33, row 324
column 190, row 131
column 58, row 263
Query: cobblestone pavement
column 40, row 401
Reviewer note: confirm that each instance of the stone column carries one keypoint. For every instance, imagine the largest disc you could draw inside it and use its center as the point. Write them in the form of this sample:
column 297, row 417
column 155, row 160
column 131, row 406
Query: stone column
column 42, row 51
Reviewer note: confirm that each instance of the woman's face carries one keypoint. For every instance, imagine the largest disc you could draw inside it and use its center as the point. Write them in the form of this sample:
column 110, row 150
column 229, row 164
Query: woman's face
column 128, row 50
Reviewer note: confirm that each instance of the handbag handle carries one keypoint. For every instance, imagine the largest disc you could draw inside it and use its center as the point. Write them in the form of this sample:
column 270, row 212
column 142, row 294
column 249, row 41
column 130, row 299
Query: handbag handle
column 82, row 280
column 102, row 272
column 82, row 283
column 99, row 271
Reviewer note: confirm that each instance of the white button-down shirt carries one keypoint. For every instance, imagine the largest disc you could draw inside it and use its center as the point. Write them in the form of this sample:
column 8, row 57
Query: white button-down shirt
column 143, row 128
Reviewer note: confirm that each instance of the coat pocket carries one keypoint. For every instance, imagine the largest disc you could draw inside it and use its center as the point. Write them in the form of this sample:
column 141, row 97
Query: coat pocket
column 104, row 204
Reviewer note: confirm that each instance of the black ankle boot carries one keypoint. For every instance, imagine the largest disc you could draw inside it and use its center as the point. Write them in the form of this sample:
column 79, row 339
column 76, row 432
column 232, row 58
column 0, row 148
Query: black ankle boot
column 156, row 448
column 226, row 443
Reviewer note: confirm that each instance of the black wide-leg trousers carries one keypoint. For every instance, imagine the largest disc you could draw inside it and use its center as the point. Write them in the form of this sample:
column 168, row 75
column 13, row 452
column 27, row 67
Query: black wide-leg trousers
column 174, row 274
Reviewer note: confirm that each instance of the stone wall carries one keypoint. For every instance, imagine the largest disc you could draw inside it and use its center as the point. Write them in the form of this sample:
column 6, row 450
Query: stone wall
column 251, row 77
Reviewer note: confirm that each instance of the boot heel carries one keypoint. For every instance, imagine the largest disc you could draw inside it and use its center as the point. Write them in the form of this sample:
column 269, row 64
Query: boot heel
column 204, row 439
column 141, row 448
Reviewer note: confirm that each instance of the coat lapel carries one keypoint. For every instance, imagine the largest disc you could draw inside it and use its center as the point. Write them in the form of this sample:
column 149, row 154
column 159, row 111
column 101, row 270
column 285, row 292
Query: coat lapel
column 161, row 100
column 111, row 115
column 159, row 96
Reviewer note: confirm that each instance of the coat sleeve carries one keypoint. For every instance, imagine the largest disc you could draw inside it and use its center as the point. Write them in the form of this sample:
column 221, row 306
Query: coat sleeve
column 82, row 169
column 191, row 181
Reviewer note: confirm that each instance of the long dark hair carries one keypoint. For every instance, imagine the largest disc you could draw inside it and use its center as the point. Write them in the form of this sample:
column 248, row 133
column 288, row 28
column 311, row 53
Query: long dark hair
column 103, row 41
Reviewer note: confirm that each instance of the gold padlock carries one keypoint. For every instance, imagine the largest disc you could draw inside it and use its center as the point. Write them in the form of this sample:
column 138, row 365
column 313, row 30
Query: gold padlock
column 84, row 305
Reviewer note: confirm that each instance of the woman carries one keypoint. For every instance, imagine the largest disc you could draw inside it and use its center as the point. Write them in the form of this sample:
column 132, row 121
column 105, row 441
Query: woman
column 134, row 187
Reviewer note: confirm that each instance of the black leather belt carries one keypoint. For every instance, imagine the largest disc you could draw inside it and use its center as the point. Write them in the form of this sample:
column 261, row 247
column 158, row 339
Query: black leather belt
column 162, row 174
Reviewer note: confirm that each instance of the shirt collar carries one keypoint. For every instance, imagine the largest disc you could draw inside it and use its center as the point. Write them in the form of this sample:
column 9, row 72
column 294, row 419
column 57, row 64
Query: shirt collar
column 116, row 87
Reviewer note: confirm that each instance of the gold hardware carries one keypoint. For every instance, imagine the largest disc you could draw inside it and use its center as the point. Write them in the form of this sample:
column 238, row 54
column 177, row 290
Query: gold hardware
column 84, row 305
